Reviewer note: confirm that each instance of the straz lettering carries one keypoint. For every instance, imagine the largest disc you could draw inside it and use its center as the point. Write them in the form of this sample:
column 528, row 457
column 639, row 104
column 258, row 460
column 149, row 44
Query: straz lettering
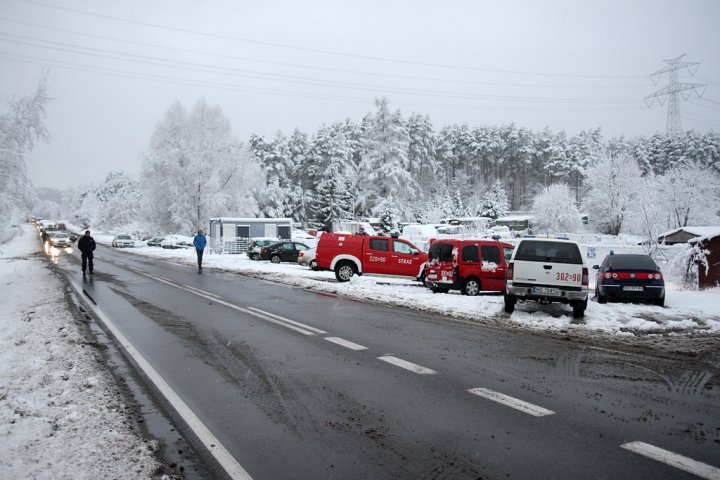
column 373, row 258
column 405, row 261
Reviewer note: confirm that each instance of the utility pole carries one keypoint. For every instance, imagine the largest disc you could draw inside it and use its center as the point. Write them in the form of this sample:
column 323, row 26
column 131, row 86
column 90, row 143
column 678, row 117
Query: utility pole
column 674, row 89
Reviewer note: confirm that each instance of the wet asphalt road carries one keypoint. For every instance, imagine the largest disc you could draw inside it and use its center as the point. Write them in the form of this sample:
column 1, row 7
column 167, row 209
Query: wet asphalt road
column 288, row 403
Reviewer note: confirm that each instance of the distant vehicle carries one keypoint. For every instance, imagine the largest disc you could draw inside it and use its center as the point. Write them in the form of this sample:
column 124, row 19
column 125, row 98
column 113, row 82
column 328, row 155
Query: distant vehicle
column 348, row 255
column 304, row 237
column 256, row 244
column 307, row 258
column 155, row 242
column 282, row 252
column 470, row 266
column 546, row 271
column 72, row 235
column 120, row 241
column 59, row 239
column 629, row 277
column 177, row 241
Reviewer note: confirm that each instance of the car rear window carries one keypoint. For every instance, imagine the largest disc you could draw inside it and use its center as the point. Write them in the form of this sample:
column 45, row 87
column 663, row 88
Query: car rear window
column 635, row 262
column 555, row 252
column 380, row 244
column 123, row 237
column 441, row 252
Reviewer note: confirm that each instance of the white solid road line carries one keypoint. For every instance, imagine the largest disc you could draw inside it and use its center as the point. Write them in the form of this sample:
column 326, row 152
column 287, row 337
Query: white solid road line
column 283, row 319
column 700, row 469
column 345, row 343
column 398, row 362
column 211, row 442
column 202, row 291
column 512, row 402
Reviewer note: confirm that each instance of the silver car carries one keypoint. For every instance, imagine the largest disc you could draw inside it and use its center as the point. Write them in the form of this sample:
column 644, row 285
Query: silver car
column 123, row 241
column 60, row 240
column 307, row 258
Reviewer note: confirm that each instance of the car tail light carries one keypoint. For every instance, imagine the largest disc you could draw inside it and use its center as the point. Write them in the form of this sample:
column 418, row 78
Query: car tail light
column 264, row 250
column 509, row 272
column 614, row 275
column 658, row 276
column 607, row 275
column 585, row 277
column 301, row 254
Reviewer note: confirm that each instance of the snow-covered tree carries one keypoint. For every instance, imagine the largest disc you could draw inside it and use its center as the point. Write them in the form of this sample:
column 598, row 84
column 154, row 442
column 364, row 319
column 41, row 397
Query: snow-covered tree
column 195, row 170
column 645, row 217
column 554, row 210
column 690, row 192
column 495, row 202
column 387, row 219
column 613, row 192
column 20, row 128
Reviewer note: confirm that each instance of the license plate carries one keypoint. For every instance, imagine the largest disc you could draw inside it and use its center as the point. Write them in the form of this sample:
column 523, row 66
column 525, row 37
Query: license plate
column 633, row 288
column 546, row 291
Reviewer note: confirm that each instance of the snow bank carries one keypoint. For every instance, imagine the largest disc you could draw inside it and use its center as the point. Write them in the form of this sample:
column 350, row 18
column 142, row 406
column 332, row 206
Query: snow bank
column 61, row 415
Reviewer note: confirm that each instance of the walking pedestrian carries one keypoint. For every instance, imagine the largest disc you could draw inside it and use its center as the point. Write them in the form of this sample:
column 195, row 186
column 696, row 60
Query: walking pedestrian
column 86, row 245
column 199, row 241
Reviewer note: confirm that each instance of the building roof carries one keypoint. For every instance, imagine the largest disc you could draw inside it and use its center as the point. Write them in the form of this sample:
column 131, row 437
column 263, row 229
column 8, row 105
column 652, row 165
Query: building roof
column 709, row 236
column 251, row 219
column 698, row 231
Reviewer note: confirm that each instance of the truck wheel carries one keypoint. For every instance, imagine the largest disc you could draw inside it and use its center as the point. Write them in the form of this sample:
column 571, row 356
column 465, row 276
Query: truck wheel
column 344, row 271
column 579, row 309
column 275, row 259
column 509, row 303
column 471, row 287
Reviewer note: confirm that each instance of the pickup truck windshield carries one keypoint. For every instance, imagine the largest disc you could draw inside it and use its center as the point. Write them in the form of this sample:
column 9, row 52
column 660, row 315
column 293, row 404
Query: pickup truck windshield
column 553, row 252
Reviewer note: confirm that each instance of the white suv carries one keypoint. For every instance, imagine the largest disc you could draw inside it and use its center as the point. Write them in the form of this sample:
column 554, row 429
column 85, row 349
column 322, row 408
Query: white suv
column 546, row 271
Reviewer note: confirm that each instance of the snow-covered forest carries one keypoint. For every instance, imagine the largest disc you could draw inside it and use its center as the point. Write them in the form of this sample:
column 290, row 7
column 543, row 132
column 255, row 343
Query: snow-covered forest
column 403, row 167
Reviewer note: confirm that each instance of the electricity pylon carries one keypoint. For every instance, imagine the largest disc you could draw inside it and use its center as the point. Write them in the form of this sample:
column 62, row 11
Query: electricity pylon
column 674, row 89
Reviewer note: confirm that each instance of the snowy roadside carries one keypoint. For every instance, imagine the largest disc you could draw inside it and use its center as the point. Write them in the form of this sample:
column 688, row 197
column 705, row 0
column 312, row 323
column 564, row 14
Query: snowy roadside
column 686, row 312
column 61, row 414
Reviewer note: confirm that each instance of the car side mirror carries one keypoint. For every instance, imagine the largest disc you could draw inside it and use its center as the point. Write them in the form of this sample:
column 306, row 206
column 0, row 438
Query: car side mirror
column 596, row 267
column 415, row 252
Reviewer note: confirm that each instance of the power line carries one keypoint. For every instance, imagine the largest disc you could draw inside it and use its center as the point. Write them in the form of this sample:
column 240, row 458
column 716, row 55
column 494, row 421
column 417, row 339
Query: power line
column 315, row 50
column 304, row 66
column 382, row 89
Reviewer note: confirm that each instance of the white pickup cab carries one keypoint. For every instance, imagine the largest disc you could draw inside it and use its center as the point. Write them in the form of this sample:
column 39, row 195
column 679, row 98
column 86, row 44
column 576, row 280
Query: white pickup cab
column 547, row 271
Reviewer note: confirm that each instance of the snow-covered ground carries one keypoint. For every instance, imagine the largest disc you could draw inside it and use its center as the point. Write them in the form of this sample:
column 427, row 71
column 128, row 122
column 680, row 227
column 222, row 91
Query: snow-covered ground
column 685, row 311
column 60, row 412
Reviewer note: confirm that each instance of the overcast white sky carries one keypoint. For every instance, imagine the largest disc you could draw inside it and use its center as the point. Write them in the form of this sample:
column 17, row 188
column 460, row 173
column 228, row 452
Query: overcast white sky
column 276, row 65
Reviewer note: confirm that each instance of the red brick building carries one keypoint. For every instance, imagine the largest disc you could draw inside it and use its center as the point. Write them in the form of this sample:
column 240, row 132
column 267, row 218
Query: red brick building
column 711, row 243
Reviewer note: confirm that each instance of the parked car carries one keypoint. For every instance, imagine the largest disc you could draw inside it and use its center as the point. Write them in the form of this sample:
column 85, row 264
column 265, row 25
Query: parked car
column 546, row 271
column 155, row 242
column 177, row 241
column 59, row 239
column 282, row 252
column 470, row 266
column 356, row 254
column 256, row 244
column 629, row 277
column 307, row 258
column 73, row 236
column 122, row 240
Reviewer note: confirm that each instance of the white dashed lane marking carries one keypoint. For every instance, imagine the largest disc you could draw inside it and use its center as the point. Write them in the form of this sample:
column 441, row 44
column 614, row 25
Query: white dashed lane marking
column 345, row 343
column 511, row 402
column 700, row 469
column 287, row 320
column 399, row 362
column 200, row 290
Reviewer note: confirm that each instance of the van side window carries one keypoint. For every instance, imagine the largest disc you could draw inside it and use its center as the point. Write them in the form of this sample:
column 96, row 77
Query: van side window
column 470, row 253
column 491, row 254
column 380, row 244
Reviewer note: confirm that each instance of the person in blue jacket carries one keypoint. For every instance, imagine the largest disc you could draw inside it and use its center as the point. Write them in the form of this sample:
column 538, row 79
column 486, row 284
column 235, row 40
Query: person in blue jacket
column 199, row 241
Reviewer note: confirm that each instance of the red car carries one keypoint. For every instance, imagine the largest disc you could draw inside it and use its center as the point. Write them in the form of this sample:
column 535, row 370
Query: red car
column 356, row 254
column 470, row 266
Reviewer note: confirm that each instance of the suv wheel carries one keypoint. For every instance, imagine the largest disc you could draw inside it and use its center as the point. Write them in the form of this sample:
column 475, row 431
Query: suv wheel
column 254, row 256
column 275, row 259
column 471, row 287
column 579, row 309
column 344, row 271
column 509, row 303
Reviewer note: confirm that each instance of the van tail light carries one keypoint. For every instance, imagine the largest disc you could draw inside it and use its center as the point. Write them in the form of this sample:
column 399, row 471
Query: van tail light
column 585, row 277
column 509, row 272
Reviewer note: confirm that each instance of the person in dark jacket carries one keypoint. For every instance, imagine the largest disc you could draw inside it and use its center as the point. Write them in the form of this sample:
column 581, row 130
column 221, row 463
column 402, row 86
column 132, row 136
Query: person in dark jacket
column 199, row 241
column 86, row 245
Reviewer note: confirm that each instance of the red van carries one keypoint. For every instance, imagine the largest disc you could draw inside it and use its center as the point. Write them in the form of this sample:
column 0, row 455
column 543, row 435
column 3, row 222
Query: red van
column 470, row 266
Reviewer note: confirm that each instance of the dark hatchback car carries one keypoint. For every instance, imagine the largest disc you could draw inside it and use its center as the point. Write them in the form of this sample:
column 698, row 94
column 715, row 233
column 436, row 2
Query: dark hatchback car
column 629, row 277
column 282, row 252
